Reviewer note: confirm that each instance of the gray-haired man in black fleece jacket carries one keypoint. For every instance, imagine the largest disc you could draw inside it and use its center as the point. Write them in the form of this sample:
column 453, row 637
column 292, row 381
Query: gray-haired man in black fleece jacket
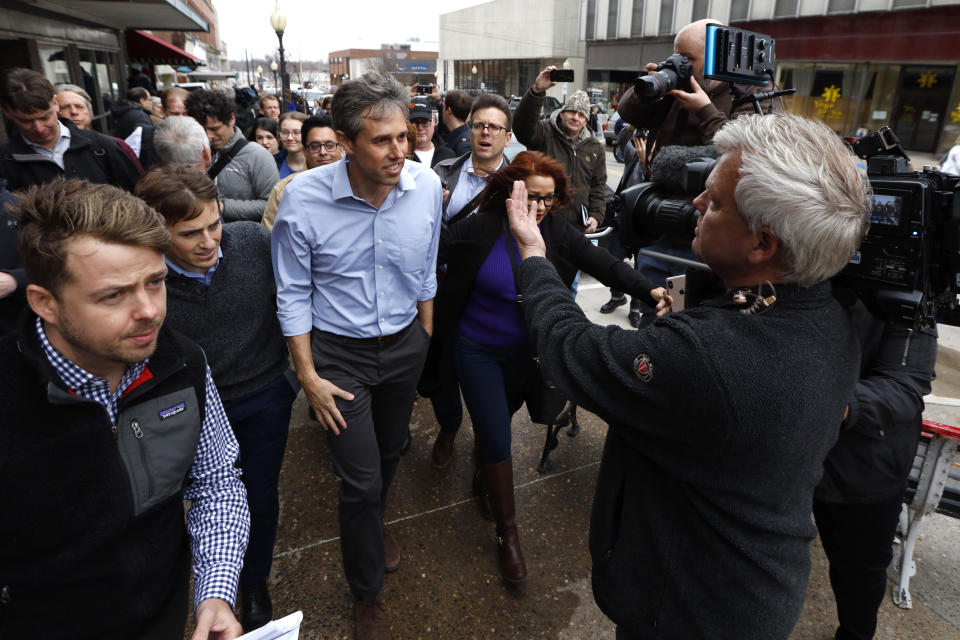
column 721, row 415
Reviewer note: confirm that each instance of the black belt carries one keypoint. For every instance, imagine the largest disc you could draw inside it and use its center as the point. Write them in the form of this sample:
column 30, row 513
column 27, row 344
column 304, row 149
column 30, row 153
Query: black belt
column 389, row 339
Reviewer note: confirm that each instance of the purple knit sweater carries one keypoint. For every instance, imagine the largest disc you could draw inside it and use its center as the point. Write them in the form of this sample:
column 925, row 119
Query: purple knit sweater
column 492, row 316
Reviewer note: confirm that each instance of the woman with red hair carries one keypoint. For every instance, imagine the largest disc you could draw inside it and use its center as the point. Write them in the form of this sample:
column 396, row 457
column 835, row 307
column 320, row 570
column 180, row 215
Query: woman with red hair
column 480, row 336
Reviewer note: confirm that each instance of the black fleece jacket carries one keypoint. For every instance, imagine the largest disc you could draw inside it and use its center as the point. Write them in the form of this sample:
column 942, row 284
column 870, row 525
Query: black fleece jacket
column 719, row 425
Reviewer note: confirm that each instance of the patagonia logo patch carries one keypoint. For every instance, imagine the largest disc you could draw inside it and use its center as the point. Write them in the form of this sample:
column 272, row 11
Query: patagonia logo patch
column 172, row 411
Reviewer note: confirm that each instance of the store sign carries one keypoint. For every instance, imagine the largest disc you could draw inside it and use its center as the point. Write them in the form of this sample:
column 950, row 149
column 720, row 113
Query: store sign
column 927, row 79
column 826, row 106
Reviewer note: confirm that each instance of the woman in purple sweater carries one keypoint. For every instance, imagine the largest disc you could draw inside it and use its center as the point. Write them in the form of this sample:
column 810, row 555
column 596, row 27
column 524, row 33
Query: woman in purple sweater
column 480, row 336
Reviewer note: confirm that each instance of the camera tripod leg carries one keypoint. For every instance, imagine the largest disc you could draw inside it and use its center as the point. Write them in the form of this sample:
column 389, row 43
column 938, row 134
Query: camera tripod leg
column 551, row 443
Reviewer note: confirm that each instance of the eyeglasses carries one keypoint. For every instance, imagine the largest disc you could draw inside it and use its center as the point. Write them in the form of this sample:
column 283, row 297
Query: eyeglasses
column 494, row 129
column 548, row 199
column 314, row 147
column 295, row 133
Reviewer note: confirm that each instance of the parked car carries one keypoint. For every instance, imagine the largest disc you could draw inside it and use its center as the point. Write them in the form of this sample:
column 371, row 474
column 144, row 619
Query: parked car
column 609, row 128
column 550, row 104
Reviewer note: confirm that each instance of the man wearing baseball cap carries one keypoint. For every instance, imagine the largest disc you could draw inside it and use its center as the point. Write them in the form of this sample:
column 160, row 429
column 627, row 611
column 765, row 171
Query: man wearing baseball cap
column 430, row 149
column 565, row 137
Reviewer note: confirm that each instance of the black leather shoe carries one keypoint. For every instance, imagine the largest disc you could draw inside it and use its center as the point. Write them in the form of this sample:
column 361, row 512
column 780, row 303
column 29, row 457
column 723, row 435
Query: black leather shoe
column 256, row 609
column 612, row 304
column 634, row 318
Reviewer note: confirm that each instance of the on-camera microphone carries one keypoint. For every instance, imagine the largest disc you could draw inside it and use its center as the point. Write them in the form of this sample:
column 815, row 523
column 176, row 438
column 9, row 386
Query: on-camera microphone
column 683, row 170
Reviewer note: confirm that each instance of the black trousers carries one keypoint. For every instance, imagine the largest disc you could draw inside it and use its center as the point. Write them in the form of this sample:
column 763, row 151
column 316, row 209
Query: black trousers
column 858, row 541
column 383, row 379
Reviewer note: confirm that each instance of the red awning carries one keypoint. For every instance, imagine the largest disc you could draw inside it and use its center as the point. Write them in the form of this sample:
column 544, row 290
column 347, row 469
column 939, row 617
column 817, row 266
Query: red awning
column 143, row 47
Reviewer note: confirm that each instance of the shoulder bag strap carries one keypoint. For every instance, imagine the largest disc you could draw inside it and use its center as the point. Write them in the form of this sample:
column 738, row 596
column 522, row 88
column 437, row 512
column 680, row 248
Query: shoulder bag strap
column 467, row 208
column 225, row 158
column 513, row 261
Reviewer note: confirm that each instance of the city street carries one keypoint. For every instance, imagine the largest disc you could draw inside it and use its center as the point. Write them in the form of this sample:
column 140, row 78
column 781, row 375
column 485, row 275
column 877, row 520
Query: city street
column 448, row 585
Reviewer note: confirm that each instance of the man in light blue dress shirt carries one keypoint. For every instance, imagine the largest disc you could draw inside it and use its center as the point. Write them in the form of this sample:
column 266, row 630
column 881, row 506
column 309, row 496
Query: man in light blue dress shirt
column 354, row 256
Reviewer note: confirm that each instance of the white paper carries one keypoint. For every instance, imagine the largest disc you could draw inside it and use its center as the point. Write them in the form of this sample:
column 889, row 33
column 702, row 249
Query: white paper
column 287, row 628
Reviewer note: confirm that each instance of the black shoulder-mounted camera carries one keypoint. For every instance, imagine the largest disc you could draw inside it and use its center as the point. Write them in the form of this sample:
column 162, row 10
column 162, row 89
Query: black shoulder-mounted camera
column 907, row 269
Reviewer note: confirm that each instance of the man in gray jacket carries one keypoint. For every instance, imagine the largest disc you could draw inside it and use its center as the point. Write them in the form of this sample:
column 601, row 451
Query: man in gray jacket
column 244, row 173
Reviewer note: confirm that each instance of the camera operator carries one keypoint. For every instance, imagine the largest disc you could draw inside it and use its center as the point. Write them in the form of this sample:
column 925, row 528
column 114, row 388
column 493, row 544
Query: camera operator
column 682, row 118
column 857, row 503
column 720, row 416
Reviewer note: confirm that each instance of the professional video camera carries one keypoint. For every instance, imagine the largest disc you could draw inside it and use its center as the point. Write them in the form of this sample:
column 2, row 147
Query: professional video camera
column 908, row 267
column 663, row 207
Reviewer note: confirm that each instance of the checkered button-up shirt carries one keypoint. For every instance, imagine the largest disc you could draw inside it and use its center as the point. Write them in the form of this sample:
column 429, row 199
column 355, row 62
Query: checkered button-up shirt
column 218, row 520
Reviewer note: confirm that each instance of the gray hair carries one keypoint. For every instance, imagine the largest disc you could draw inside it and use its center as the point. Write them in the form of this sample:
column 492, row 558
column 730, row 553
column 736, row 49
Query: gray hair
column 798, row 179
column 374, row 95
column 80, row 91
column 180, row 140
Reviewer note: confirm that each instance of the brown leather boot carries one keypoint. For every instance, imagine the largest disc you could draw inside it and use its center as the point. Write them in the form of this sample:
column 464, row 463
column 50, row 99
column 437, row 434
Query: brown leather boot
column 479, row 490
column 498, row 479
column 442, row 450
column 370, row 621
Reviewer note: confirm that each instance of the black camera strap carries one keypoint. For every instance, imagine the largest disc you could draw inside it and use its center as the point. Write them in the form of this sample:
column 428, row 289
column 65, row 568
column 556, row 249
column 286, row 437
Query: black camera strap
column 225, row 157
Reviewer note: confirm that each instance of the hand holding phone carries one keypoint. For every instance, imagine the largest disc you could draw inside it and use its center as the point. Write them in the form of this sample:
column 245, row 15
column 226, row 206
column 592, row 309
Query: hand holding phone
column 561, row 75
column 424, row 89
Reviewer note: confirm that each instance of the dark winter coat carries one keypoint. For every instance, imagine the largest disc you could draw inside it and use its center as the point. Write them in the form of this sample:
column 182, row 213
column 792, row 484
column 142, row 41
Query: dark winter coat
column 874, row 453
column 11, row 306
column 92, row 156
column 127, row 116
column 719, row 425
column 670, row 124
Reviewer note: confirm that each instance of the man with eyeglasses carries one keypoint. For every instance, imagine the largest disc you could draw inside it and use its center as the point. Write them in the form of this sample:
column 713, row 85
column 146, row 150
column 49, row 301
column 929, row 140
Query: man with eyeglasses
column 464, row 178
column 430, row 149
column 320, row 147
column 565, row 137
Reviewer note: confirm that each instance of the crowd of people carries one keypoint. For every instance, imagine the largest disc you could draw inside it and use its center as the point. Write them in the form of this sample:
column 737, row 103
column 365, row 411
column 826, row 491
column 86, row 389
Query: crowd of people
column 167, row 292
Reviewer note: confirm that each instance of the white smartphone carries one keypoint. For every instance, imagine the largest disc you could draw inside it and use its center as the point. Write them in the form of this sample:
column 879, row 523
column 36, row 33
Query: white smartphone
column 676, row 289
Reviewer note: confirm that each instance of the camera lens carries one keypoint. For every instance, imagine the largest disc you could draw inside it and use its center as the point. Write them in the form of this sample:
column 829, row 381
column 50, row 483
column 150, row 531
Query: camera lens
column 656, row 85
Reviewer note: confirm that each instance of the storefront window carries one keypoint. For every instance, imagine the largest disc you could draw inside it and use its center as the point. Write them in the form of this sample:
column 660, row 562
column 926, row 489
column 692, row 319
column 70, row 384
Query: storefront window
column 53, row 59
column 828, row 92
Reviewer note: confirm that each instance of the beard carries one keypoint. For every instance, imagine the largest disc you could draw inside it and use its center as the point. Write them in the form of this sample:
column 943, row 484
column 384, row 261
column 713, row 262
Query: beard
column 98, row 349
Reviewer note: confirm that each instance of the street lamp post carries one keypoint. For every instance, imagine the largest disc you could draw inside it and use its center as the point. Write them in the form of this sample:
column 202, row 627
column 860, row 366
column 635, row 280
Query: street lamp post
column 279, row 23
column 473, row 73
column 274, row 67
column 260, row 77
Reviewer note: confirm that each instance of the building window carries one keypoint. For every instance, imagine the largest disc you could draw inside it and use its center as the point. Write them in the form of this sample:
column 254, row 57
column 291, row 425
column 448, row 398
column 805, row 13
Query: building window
column 701, row 9
column 612, row 13
column 666, row 18
column 590, row 32
column 739, row 10
column 900, row 4
column 636, row 18
column 841, row 6
column 785, row 9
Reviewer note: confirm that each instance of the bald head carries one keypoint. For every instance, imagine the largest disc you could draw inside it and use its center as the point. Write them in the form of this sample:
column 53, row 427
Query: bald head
column 690, row 41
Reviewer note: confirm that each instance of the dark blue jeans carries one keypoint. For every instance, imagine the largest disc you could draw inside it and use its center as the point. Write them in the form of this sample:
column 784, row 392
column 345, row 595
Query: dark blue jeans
column 492, row 380
column 447, row 408
column 261, row 420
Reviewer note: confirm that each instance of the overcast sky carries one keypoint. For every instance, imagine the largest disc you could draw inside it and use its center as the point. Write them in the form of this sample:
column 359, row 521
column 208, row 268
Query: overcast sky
column 316, row 27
